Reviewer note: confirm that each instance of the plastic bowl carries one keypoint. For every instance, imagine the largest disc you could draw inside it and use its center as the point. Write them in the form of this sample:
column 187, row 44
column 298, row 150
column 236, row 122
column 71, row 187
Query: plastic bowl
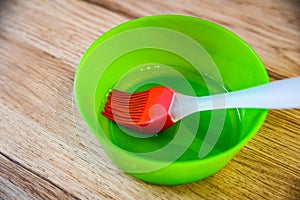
column 185, row 53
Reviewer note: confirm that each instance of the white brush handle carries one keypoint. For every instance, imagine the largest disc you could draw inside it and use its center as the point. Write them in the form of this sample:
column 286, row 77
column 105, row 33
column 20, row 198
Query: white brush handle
column 283, row 94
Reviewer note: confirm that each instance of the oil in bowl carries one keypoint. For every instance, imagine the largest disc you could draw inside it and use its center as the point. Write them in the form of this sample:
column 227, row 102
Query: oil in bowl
column 203, row 134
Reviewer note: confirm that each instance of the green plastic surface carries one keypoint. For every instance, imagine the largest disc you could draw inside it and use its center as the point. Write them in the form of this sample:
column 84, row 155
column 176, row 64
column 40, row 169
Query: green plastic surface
column 105, row 66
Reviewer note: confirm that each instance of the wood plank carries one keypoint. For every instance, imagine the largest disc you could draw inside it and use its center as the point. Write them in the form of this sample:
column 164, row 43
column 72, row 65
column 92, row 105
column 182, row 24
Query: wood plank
column 22, row 183
column 65, row 30
column 41, row 152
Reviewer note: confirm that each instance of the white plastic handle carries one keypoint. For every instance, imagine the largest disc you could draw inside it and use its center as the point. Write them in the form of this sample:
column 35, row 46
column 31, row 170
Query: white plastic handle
column 283, row 94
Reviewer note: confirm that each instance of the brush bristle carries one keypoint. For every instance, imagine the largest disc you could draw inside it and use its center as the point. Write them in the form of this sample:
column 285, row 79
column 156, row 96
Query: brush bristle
column 125, row 108
column 145, row 111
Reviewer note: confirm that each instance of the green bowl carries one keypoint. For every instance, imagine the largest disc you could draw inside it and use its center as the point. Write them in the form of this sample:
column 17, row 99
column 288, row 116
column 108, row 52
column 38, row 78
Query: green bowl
column 190, row 55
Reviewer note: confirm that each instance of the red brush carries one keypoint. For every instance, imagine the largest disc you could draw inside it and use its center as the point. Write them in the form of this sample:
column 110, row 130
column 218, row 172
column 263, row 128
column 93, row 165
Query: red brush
column 160, row 107
column 145, row 111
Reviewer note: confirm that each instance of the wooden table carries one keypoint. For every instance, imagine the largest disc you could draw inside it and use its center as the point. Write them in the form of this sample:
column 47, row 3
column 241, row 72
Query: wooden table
column 43, row 154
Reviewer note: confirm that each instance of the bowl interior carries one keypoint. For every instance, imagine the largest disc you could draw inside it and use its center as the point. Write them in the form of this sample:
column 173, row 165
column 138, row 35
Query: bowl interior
column 190, row 55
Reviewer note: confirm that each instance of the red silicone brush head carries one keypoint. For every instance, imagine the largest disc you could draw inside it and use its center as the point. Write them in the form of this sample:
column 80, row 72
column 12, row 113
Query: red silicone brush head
column 146, row 112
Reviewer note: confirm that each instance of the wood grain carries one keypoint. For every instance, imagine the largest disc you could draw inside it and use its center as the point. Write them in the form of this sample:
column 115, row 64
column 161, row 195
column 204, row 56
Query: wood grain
column 47, row 152
column 31, row 184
